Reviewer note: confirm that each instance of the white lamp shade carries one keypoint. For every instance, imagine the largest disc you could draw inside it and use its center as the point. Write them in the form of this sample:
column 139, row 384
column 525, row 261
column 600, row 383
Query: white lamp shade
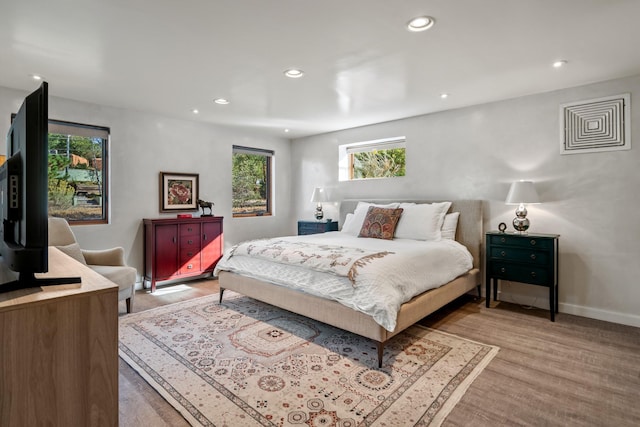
column 318, row 195
column 522, row 192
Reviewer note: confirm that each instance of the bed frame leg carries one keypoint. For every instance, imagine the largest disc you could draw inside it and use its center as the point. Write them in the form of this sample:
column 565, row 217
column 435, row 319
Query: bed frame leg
column 221, row 292
column 380, row 346
column 479, row 289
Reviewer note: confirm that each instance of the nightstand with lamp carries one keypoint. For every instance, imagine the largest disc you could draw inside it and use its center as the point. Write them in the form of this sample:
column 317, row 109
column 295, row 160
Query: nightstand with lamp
column 522, row 257
column 319, row 226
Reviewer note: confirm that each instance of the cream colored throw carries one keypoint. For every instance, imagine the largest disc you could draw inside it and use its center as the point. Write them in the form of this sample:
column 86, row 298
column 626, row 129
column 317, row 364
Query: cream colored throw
column 333, row 259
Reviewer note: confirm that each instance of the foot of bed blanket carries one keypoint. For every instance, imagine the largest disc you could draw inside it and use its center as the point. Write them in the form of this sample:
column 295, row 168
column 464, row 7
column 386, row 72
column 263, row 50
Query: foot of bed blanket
column 221, row 292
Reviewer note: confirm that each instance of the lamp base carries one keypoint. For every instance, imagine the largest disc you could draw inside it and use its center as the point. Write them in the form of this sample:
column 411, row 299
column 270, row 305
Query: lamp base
column 520, row 222
column 319, row 214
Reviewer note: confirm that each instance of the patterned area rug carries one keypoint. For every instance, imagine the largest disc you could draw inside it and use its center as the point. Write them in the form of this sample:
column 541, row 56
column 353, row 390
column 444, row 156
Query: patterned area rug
column 246, row 363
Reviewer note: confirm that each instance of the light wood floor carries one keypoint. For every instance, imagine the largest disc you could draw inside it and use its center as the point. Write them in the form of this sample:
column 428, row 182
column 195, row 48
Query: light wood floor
column 574, row 372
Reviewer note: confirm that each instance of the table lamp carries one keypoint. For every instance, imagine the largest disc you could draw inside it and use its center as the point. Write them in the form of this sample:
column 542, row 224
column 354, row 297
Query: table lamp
column 318, row 197
column 522, row 193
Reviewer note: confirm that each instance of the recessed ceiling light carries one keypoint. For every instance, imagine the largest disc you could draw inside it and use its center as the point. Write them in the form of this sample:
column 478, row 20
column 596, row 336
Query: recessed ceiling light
column 195, row 111
column 421, row 23
column 286, row 130
column 36, row 77
column 221, row 101
column 294, row 73
column 444, row 95
column 560, row 63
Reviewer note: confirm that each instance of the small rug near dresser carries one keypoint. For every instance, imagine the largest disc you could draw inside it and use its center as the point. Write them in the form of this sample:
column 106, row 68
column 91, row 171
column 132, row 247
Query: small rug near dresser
column 246, row 363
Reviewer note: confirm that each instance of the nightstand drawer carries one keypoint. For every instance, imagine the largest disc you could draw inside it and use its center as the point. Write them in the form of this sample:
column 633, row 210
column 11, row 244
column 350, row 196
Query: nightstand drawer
column 520, row 273
column 313, row 227
column 522, row 241
column 521, row 255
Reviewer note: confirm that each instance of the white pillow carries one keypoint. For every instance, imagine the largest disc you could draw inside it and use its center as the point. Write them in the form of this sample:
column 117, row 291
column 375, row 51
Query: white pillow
column 422, row 221
column 450, row 225
column 347, row 222
column 354, row 224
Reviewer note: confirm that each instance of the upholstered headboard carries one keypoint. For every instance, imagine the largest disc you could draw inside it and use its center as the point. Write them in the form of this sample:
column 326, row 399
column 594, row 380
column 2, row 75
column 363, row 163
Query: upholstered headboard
column 469, row 231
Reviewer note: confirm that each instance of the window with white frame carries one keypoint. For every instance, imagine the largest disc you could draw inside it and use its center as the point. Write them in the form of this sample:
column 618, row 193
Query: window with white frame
column 382, row 158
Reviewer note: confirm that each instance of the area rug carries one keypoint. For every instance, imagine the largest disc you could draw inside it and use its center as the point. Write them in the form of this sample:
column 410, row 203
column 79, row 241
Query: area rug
column 246, row 363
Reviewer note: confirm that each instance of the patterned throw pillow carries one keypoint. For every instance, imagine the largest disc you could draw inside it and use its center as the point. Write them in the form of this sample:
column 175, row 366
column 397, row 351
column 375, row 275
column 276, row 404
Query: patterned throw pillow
column 380, row 223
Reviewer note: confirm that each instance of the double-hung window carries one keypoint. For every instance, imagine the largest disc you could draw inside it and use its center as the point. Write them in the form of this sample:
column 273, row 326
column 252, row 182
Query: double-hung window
column 78, row 184
column 251, row 181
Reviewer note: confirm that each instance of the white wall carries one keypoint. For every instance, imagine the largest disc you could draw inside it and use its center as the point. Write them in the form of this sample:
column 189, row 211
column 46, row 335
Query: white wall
column 142, row 145
column 476, row 152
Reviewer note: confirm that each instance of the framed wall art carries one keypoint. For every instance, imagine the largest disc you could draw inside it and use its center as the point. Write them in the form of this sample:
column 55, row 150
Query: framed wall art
column 178, row 192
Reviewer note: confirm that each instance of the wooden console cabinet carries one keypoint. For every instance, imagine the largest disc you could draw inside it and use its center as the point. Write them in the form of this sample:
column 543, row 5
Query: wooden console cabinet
column 59, row 350
column 180, row 248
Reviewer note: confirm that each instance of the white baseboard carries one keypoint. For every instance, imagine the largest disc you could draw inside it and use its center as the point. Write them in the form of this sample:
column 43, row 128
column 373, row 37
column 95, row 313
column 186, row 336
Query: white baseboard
column 577, row 310
column 599, row 314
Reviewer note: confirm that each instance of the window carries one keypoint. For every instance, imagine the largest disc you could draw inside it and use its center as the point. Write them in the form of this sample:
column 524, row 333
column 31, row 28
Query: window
column 78, row 189
column 251, row 181
column 383, row 158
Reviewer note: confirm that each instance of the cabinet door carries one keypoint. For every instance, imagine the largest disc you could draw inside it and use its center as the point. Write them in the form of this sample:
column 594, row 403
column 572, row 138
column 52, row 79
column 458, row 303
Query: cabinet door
column 211, row 244
column 166, row 251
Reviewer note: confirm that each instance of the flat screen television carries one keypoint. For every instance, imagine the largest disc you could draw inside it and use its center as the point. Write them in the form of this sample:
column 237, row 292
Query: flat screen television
column 24, row 196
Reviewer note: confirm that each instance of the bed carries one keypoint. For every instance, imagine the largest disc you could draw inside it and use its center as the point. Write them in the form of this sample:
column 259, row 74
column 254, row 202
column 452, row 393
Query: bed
column 468, row 233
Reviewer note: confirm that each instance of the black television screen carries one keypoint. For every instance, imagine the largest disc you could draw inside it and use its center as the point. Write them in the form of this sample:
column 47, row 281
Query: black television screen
column 24, row 195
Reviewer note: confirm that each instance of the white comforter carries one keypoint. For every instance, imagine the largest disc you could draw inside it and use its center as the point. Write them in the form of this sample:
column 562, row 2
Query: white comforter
column 382, row 285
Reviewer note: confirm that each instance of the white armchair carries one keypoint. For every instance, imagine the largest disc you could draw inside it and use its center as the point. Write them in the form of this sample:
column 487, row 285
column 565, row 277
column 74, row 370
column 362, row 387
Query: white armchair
column 108, row 262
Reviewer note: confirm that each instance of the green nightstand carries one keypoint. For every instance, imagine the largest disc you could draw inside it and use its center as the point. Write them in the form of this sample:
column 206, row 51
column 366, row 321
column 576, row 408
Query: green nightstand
column 315, row 227
column 525, row 258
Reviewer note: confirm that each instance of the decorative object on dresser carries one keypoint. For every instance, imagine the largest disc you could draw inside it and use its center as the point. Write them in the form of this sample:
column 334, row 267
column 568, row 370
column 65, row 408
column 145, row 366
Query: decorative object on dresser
column 179, row 248
column 318, row 197
column 314, row 227
column 247, row 363
column 58, row 350
column 521, row 193
column 178, row 192
column 206, row 205
column 531, row 259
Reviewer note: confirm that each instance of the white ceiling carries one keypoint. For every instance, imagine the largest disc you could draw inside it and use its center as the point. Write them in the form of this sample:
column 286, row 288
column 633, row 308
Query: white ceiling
column 361, row 65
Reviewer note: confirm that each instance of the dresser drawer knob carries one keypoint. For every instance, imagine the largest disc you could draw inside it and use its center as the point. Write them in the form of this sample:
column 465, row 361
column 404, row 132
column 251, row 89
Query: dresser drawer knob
column 533, row 256
column 190, row 266
column 190, row 242
column 503, row 270
column 502, row 239
column 533, row 242
column 533, row 274
column 503, row 253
